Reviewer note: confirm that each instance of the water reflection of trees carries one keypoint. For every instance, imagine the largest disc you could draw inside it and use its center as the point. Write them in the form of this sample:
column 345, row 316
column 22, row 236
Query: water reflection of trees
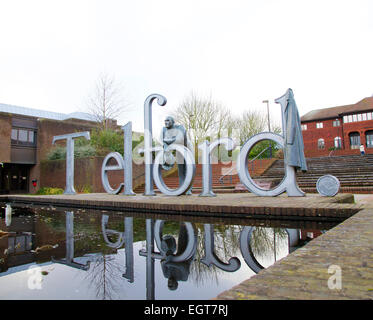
column 263, row 242
column 226, row 245
column 105, row 275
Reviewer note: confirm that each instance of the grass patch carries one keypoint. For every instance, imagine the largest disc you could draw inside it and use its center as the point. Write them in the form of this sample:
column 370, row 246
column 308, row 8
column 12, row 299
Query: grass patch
column 49, row 191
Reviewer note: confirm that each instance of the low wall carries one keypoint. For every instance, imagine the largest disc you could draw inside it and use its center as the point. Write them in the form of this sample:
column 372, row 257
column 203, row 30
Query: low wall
column 87, row 174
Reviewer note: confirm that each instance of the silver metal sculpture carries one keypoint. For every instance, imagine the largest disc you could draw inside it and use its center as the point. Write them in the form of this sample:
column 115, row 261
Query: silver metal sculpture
column 328, row 185
column 189, row 173
column 123, row 163
column 207, row 148
column 291, row 128
column 69, row 189
column 148, row 140
column 127, row 159
column 290, row 141
column 105, row 168
column 173, row 134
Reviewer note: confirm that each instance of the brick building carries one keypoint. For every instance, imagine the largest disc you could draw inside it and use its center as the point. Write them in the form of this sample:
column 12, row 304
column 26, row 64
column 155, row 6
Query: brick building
column 26, row 138
column 342, row 129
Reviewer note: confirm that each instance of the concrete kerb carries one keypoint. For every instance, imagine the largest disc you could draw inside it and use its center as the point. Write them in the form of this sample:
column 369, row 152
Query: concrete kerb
column 307, row 273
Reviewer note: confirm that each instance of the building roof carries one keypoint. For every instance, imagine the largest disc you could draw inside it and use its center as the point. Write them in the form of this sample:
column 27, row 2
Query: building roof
column 7, row 108
column 335, row 112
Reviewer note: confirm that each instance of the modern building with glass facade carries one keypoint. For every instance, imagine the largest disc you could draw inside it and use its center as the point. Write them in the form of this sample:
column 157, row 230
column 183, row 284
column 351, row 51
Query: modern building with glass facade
column 339, row 130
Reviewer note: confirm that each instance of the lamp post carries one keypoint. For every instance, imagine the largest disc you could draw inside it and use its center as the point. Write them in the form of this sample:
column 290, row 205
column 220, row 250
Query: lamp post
column 269, row 127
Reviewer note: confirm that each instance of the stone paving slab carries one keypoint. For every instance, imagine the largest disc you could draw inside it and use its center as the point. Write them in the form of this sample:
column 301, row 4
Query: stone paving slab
column 243, row 205
column 304, row 273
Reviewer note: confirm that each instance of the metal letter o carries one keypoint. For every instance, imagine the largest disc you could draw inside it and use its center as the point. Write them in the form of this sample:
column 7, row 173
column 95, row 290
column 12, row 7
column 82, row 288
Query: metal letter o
column 189, row 175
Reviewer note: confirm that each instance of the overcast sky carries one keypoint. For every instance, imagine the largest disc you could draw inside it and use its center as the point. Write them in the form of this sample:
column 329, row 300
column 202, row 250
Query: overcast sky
column 240, row 51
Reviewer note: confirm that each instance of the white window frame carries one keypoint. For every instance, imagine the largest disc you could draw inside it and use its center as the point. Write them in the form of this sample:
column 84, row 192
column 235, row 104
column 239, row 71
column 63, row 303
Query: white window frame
column 321, row 144
column 339, row 143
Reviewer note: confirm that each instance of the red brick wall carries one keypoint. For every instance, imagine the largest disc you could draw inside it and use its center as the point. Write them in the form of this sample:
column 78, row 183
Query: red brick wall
column 87, row 173
column 5, row 131
column 328, row 133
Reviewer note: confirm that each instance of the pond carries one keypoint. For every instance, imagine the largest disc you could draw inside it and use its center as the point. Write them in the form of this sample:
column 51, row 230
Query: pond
column 51, row 253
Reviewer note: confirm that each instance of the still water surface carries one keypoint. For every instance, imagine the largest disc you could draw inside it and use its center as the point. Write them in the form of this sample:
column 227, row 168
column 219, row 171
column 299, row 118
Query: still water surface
column 48, row 253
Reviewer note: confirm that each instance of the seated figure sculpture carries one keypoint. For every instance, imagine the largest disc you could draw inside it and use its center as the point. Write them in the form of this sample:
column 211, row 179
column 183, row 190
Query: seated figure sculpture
column 174, row 134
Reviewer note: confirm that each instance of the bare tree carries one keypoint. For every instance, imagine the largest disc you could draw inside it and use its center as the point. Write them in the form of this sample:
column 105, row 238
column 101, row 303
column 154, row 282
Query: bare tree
column 251, row 122
column 199, row 117
column 106, row 102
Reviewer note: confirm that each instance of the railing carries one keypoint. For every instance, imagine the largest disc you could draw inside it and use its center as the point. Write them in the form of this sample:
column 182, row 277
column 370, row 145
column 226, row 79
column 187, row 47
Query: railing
column 221, row 179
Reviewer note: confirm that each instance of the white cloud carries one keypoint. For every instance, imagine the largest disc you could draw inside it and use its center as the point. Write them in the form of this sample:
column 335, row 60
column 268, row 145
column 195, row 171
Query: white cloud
column 241, row 51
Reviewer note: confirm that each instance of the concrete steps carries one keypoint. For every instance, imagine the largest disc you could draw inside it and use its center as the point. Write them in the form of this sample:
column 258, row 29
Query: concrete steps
column 354, row 172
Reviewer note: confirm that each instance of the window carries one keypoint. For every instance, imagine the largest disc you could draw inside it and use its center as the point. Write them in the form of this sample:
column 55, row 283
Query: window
column 14, row 135
column 320, row 144
column 369, row 138
column 369, row 116
column 354, row 140
column 319, row 125
column 364, row 115
column 31, row 135
column 350, row 118
column 354, row 117
column 336, row 123
column 359, row 117
column 304, row 127
column 24, row 137
column 345, row 119
column 338, row 142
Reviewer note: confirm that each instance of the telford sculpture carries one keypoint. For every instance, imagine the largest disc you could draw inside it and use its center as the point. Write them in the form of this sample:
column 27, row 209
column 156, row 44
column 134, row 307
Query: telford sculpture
column 174, row 139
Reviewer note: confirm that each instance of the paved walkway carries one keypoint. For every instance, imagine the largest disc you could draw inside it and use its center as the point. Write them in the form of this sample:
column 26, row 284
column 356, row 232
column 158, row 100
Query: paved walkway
column 304, row 274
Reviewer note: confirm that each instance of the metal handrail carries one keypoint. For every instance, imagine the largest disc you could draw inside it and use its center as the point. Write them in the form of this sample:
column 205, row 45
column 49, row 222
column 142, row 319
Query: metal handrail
column 221, row 179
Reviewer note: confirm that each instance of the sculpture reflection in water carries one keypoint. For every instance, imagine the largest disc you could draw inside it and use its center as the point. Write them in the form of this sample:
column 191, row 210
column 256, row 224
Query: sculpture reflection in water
column 125, row 238
column 178, row 254
column 69, row 258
